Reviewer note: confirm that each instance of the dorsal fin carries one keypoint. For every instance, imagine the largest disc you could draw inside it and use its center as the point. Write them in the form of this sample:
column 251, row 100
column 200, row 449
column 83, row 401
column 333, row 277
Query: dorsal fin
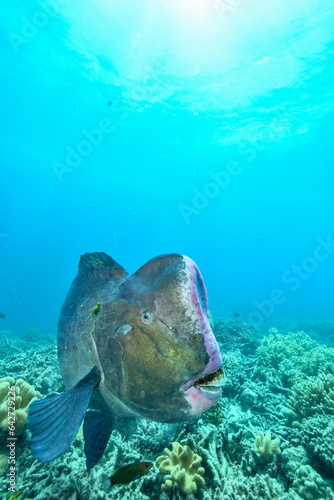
column 99, row 261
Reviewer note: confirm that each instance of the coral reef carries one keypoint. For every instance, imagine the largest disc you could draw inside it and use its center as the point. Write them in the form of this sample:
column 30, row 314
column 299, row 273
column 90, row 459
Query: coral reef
column 309, row 485
column 321, row 331
column 184, row 467
column 292, row 458
column 305, row 354
column 11, row 346
column 4, row 343
column 288, row 373
column 235, row 371
column 261, row 486
column 24, row 395
column 318, row 440
column 314, row 395
column 33, row 336
column 37, row 366
column 267, row 447
column 236, row 335
column 3, row 464
column 259, row 386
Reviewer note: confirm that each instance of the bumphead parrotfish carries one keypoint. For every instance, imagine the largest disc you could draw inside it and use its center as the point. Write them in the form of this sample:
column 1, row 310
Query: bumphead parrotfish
column 148, row 352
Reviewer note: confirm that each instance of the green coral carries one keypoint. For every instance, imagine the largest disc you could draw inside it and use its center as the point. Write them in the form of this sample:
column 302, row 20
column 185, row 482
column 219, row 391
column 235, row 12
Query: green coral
column 185, row 469
column 306, row 354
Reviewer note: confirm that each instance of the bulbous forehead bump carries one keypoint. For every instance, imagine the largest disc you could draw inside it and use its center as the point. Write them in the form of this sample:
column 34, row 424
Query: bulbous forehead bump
column 180, row 299
column 172, row 288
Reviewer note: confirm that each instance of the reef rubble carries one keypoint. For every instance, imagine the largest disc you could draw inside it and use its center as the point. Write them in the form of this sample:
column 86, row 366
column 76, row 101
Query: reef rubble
column 270, row 436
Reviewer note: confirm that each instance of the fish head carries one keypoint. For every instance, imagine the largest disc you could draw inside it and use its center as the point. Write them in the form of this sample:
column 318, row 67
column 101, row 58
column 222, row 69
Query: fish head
column 158, row 354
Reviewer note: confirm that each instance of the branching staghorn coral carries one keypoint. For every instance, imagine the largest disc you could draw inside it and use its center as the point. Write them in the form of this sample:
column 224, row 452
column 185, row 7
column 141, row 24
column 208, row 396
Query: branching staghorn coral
column 184, row 467
column 24, row 395
column 266, row 447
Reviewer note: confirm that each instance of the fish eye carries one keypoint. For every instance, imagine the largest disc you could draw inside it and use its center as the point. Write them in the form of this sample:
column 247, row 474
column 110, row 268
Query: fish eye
column 147, row 317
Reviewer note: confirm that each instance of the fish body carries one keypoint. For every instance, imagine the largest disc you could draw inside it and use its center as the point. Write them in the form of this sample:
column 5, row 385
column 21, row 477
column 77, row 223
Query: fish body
column 128, row 473
column 2, row 316
column 148, row 366
column 149, row 352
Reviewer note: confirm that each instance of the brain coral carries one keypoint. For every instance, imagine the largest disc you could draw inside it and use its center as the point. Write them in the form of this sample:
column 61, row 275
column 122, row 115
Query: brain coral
column 184, row 467
column 24, row 395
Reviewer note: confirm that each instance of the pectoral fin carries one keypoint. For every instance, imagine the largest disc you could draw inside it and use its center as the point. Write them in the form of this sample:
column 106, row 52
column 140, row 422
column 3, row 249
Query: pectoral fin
column 54, row 422
column 97, row 428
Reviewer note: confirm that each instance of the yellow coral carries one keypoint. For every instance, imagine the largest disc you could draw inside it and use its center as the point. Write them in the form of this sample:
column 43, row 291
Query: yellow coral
column 24, row 395
column 184, row 467
column 266, row 447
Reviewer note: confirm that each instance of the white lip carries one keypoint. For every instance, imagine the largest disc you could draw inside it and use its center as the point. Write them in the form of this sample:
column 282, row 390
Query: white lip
column 206, row 392
column 208, row 388
column 213, row 389
column 202, row 397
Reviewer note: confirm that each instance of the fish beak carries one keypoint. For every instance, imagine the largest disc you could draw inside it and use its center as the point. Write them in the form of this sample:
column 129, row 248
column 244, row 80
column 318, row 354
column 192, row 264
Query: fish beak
column 211, row 382
column 204, row 391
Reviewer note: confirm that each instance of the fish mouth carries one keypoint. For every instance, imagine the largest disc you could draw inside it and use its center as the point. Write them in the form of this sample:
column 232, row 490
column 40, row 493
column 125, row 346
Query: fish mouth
column 203, row 391
column 211, row 382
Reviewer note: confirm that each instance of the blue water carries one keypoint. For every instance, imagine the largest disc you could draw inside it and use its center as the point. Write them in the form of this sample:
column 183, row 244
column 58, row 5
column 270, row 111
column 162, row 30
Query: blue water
column 196, row 127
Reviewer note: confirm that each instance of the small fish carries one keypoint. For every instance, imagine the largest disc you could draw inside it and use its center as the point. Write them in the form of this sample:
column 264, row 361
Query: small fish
column 236, row 315
column 2, row 316
column 124, row 475
column 10, row 495
column 96, row 310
